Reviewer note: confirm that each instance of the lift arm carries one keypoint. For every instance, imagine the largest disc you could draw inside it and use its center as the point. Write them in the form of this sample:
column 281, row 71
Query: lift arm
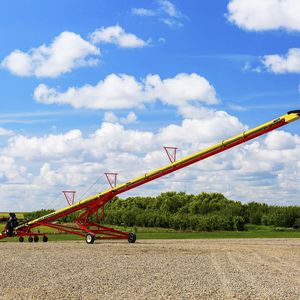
column 179, row 164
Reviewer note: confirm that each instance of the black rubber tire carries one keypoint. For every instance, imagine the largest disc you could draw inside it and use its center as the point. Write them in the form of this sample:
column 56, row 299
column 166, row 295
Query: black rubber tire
column 90, row 238
column 30, row 239
column 45, row 239
column 36, row 238
column 21, row 239
column 131, row 237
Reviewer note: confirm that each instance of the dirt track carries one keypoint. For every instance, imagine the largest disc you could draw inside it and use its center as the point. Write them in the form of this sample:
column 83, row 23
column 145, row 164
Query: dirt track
column 153, row 269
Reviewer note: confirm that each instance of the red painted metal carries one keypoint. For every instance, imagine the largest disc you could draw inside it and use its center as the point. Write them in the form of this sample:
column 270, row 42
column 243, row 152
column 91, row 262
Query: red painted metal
column 112, row 179
column 70, row 196
column 85, row 225
column 3, row 236
column 171, row 152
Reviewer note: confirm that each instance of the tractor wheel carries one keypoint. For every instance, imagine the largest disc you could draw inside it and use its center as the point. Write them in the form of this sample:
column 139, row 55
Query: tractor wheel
column 90, row 238
column 30, row 239
column 131, row 237
column 45, row 239
column 36, row 238
column 21, row 239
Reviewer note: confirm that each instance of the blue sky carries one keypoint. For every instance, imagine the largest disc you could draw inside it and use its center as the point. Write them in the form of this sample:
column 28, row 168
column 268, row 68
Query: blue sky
column 102, row 84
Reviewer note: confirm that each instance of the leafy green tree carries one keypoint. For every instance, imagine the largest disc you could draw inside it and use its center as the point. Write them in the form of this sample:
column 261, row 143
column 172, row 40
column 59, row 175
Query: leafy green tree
column 205, row 211
column 239, row 223
column 297, row 224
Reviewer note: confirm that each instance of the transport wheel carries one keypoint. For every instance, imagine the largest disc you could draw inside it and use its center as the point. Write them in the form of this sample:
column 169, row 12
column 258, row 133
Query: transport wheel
column 90, row 238
column 45, row 239
column 36, row 239
column 131, row 237
column 21, row 239
column 30, row 239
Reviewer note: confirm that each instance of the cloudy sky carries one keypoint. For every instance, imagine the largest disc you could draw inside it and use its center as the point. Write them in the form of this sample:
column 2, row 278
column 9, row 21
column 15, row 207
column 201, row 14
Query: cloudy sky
column 102, row 86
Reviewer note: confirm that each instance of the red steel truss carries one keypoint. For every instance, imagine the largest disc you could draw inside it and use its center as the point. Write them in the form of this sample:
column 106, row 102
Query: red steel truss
column 171, row 152
column 70, row 196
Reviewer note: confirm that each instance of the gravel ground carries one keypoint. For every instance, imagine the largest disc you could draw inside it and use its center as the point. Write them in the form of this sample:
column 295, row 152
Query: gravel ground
column 152, row 269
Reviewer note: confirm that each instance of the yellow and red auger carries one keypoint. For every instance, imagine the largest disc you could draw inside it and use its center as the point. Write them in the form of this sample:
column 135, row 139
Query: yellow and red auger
column 85, row 227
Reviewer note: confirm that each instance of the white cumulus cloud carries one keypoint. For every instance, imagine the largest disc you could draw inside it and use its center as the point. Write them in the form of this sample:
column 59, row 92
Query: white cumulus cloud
column 66, row 52
column 169, row 8
column 181, row 89
column 130, row 118
column 114, row 92
column 165, row 11
column 201, row 126
column 38, row 148
column 258, row 15
column 10, row 170
column 111, row 117
column 118, row 36
column 289, row 63
column 143, row 12
column 5, row 132
column 124, row 91
column 280, row 140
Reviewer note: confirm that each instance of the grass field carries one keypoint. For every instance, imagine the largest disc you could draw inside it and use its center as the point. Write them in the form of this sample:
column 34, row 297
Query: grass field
column 20, row 215
column 163, row 233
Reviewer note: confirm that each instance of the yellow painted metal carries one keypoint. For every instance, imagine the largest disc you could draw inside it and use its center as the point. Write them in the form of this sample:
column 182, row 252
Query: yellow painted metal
column 287, row 118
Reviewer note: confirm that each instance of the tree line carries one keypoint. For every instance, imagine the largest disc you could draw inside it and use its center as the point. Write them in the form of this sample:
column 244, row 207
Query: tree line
column 181, row 211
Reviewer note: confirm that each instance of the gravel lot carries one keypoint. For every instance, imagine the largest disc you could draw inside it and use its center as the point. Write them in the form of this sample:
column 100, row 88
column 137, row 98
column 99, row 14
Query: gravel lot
column 152, row 269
